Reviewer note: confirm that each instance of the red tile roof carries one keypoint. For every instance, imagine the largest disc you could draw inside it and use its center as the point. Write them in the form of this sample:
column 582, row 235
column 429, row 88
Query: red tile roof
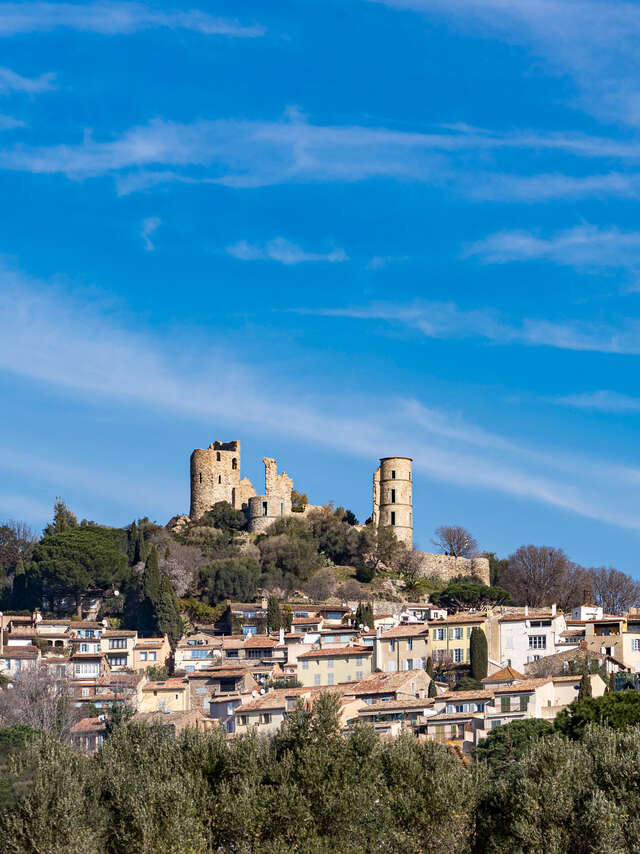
column 340, row 652
column 503, row 675
column 172, row 684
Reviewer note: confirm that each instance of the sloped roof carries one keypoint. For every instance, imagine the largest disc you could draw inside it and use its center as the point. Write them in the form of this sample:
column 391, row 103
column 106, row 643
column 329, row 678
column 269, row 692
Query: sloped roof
column 525, row 686
column 380, row 683
column 503, row 675
column 340, row 652
column 409, row 631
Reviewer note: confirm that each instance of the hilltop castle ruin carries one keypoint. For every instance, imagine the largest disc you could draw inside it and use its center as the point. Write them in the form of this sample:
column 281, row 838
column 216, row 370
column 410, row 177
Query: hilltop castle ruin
column 216, row 476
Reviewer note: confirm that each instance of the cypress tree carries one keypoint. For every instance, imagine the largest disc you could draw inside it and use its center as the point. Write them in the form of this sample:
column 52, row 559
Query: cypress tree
column 429, row 667
column 612, row 683
column 132, row 537
column 585, row 686
column 158, row 613
column 433, row 691
column 274, row 618
column 479, row 654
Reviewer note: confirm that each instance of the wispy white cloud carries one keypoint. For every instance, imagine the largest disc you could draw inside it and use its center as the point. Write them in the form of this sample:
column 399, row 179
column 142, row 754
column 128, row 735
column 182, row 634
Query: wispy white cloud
column 11, row 81
column 149, row 225
column 114, row 19
column 594, row 41
column 582, row 246
column 9, row 123
column 244, row 153
column 448, row 320
column 550, row 187
column 283, row 251
column 89, row 353
column 602, row 401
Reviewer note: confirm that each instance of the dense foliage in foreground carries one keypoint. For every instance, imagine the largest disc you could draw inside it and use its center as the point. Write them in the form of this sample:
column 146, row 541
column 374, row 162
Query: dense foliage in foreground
column 313, row 791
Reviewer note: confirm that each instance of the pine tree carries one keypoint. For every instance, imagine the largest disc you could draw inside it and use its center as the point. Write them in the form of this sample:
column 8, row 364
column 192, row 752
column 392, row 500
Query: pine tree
column 585, row 686
column 479, row 654
column 433, row 691
column 274, row 617
column 63, row 519
column 429, row 667
column 612, row 683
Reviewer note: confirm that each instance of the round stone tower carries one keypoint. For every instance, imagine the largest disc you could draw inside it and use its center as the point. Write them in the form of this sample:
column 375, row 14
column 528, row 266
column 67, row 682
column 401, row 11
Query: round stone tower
column 215, row 476
column 393, row 497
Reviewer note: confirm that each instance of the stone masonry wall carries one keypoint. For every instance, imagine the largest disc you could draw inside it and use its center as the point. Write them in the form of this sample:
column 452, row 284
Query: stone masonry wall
column 448, row 567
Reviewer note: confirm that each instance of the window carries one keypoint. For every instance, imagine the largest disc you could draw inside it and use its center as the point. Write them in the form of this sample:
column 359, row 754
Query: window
column 359, row 661
column 305, row 665
column 229, row 708
column 265, row 509
column 330, row 663
column 218, row 457
column 358, row 675
column 439, row 634
column 152, row 656
column 199, row 653
column 234, row 463
column 117, row 660
column 393, row 517
column 410, row 643
column 84, row 647
column 88, row 668
column 316, row 679
column 505, row 704
column 393, row 474
column 392, row 645
column 468, row 631
column 219, row 478
column 281, row 508
column 243, row 720
column 537, row 642
column 143, row 656
column 459, row 709
column 635, row 645
column 330, row 679
column 85, row 692
column 266, row 718
column 393, row 496
column 457, row 633
column 117, row 643
column 458, row 655
column 200, row 477
column 524, row 702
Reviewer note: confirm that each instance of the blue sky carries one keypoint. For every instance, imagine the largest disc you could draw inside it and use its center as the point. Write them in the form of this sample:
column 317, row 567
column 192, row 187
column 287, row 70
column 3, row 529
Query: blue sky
column 336, row 231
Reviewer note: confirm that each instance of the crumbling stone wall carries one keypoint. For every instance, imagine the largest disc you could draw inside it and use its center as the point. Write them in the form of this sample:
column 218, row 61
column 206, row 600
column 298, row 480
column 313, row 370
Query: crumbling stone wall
column 448, row 567
column 276, row 501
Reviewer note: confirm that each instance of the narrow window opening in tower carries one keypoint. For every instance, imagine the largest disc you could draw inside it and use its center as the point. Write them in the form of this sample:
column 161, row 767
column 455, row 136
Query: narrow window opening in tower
column 218, row 456
column 393, row 517
column 393, row 496
column 393, row 474
column 282, row 508
column 234, row 463
column 265, row 509
column 219, row 478
column 200, row 477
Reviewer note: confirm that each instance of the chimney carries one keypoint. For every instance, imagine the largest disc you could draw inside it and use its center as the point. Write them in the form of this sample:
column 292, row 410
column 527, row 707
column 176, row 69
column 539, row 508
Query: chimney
column 526, row 610
column 281, row 639
column 554, row 609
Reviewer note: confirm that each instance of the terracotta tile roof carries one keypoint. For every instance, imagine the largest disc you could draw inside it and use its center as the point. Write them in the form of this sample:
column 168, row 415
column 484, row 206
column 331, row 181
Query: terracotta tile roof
column 502, row 675
column 340, row 652
column 526, row 685
column 457, row 716
column 460, row 696
column 398, row 705
column 306, row 621
column 20, row 652
column 174, row 683
column 148, row 645
column 89, row 725
column 85, row 624
column 381, row 683
column 87, row 655
column 409, row 631
column 538, row 615
column 220, row 672
column 452, row 619
column 260, row 641
column 271, row 700
column 568, row 678
column 117, row 633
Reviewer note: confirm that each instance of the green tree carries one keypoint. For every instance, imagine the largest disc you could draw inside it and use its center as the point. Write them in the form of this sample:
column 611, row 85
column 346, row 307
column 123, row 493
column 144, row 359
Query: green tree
column 225, row 517
column 509, row 742
column 464, row 593
column 63, row 519
column 79, row 560
column 158, row 612
column 364, row 615
column 233, row 578
column 432, row 690
column 429, row 667
column 585, row 686
column 617, row 711
column 479, row 654
column 274, row 617
column 612, row 683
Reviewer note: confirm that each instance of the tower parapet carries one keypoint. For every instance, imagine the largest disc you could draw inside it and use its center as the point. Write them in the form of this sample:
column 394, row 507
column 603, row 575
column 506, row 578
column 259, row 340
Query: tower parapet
column 393, row 497
column 276, row 502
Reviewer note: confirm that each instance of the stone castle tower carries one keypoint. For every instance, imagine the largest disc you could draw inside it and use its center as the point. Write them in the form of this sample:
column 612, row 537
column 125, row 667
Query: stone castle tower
column 393, row 497
column 215, row 476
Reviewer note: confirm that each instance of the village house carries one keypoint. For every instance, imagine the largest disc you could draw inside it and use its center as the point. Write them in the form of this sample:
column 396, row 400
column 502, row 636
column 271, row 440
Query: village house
column 331, row 666
column 197, row 651
column 617, row 637
column 451, row 638
column 151, row 652
column 526, row 636
column 88, row 734
column 391, row 687
column 167, row 695
column 404, row 647
column 118, row 645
